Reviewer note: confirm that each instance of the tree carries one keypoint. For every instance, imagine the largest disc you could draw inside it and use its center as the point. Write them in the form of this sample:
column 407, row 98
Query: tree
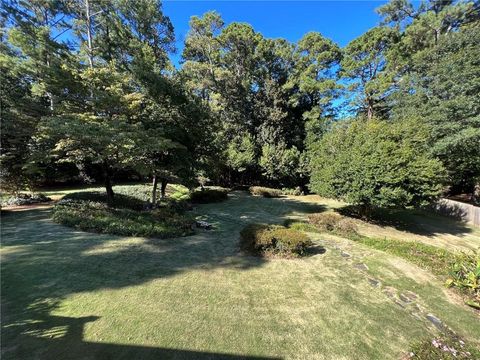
column 441, row 91
column 363, row 64
column 375, row 164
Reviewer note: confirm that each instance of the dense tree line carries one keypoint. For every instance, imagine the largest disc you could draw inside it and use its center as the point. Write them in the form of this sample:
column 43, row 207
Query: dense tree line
column 88, row 90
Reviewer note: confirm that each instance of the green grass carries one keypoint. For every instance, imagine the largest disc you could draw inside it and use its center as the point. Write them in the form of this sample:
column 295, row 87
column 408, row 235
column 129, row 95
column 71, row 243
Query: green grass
column 76, row 295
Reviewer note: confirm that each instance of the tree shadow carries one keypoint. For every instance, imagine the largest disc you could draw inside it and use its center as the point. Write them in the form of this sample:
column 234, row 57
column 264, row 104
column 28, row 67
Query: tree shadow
column 43, row 263
column 416, row 221
column 62, row 338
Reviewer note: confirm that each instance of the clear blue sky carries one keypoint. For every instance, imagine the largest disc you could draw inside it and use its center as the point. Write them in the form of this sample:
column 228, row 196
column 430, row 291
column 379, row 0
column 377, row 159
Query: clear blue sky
column 341, row 21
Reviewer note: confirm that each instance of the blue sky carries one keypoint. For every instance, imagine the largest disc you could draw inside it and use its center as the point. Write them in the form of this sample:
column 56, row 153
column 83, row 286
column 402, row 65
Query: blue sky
column 341, row 21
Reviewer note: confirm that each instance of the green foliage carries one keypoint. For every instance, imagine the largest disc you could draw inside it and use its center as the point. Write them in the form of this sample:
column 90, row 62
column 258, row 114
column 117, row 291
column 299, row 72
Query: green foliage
column 265, row 191
column 273, row 240
column 375, row 163
column 364, row 64
column 429, row 257
column 91, row 211
column 441, row 92
column 465, row 275
column 209, row 195
column 279, row 163
column 241, row 153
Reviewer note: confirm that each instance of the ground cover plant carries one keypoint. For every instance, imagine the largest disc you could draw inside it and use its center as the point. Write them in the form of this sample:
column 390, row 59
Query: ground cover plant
column 125, row 214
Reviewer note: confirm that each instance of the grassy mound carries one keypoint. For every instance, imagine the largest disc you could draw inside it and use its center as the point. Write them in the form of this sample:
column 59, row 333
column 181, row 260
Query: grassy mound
column 89, row 211
column 273, row 240
column 265, row 191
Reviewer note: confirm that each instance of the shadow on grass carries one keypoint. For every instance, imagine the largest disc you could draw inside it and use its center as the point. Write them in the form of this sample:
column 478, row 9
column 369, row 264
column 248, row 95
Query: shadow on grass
column 62, row 338
column 420, row 222
column 43, row 263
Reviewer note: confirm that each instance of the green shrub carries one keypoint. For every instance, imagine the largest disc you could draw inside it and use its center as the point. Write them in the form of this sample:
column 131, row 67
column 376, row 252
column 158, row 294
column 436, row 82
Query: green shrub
column 265, row 192
column 90, row 212
column 209, row 195
column 465, row 275
column 273, row 240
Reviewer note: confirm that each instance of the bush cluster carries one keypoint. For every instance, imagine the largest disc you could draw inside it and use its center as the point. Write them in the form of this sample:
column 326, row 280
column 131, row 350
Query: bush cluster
column 273, row 240
column 465, row 275
column 89, row 211
column 333, row 222
column 265, row 191
column 26, row 199
column 209, row 195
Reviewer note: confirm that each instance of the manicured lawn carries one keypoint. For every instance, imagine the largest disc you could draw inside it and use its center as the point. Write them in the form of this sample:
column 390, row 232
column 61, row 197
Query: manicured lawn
column 76, row 295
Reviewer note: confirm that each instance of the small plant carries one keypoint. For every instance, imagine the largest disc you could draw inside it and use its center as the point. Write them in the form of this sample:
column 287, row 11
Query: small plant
column 265, row 192
column 445, row 348
column 209, row 195
column 333, row 222
column 465, row 275
column 273, row 240
column 346, row 226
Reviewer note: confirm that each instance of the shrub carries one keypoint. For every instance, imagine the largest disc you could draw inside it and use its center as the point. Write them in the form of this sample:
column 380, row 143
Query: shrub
column 333, row 222
column 89, row 211
column 209, row 195
column 26, row 199
column 273, row 240
column 324, row 221
column 465, row 275
column 120, row 201
column 295, row 192
column 265, row 191
column 346, row 227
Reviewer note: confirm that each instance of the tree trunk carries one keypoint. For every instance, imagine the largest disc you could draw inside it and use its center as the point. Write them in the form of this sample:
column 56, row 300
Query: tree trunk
column 108, row 183
column 108, row 187
column 154, row 191
column 89, row 33
column 163, row 187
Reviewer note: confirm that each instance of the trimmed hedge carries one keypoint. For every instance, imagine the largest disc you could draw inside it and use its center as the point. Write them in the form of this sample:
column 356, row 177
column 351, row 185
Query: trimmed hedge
column 265, row 191
column 266, row 240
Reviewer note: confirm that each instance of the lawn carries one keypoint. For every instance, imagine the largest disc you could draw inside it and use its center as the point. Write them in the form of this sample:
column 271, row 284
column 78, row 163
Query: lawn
column 68, row 294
